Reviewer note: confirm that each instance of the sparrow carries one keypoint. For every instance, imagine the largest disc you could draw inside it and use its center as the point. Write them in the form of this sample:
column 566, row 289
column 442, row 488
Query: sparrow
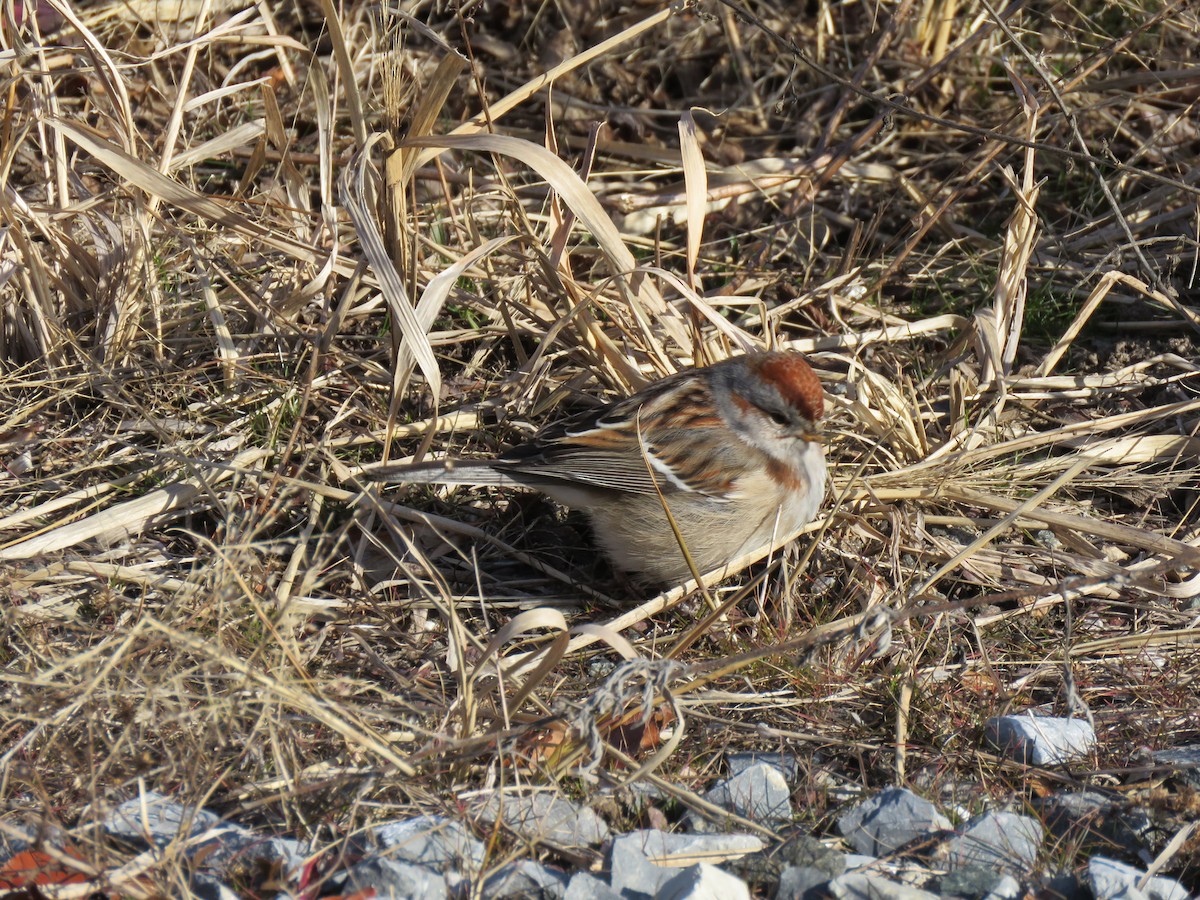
column 733, row 450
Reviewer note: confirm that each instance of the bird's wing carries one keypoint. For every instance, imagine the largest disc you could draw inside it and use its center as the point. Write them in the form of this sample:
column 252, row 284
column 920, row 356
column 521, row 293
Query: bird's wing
column 634, row 444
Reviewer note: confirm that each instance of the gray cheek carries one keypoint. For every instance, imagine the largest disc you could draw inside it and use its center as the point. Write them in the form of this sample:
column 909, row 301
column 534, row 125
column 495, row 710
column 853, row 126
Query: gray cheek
column 815, row 453
column 807, row 454
column 751, row 427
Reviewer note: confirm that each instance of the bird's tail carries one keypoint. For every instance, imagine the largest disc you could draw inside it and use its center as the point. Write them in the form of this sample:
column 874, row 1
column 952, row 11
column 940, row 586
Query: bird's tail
column 442, row 471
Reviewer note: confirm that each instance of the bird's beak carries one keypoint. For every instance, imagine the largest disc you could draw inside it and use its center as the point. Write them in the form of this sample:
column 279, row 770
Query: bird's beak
column 809, row 434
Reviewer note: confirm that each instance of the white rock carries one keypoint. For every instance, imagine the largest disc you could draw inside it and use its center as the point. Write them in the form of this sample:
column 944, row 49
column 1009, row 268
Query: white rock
column 889, row 820
column 585, row 886
column 1041, row 741
column 861, row 886
column 643, row 861
column 1112, row 880
column 1008, row 888
column 544, row 816
column 434, row 841
column 704, row 882
column 389, row 878
column 759, row 793
column 1002, row 841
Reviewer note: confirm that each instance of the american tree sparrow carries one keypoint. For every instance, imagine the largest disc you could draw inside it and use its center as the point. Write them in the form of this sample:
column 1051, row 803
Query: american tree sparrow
column 732, row 449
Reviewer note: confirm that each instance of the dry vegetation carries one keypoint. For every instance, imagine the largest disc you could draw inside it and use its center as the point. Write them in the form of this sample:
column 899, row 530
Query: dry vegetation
column 235, row 267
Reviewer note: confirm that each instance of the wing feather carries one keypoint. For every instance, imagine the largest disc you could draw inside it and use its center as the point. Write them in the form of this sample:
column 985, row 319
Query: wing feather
column 631, row 446
column 615, row 448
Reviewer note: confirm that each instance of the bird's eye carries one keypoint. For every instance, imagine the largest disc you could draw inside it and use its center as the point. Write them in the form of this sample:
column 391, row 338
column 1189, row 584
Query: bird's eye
column 777, row 417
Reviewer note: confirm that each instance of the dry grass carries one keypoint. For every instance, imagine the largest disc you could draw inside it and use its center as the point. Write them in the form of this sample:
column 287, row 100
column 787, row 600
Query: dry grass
column 235, row 266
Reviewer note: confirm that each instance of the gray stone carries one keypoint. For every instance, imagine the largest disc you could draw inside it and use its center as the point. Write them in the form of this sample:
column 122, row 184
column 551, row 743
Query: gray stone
column 786, row 763
column 634, row 858
column 889, row 820
column 969, row 881
column 544, row 816
column 1186, row 762
column 154, row 818
column 433, row 841
column 526, row 878
column 1112, row 880
column 1008, row 888
column 235, row 847
column 1002, row 841
column 584, row 886
column 856, row 861
column 806, row 851
column 1095, row 821
column 759, row 793
column 1041, row 741
column 796, row 882
column 861, row 886
column 392, row 879
column 767, row 866
column 703, row 882
column 760, row 868
column 1063, row 885
column 208, row 887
